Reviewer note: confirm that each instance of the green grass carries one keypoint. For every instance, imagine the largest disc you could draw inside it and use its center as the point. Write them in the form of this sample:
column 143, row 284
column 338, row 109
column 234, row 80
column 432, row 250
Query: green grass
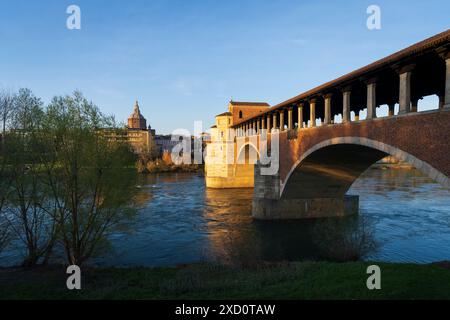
column 305, row 280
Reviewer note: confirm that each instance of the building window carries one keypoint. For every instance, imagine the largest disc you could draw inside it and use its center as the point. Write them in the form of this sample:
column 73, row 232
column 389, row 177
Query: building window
column 240, row 115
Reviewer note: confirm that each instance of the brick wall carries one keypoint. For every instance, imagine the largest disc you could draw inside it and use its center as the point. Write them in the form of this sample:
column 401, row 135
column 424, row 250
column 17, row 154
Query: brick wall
column 425, row 136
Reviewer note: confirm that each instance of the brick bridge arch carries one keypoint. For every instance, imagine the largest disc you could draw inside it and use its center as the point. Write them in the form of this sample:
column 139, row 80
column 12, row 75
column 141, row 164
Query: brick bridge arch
column 335, row 164
column 318, row 165
column 246, row 147
column 246, row 156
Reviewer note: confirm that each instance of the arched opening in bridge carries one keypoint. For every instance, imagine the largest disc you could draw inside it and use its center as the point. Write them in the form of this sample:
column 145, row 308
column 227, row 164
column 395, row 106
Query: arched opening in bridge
column 331, row 167
column 244, row 167
column 329, row 172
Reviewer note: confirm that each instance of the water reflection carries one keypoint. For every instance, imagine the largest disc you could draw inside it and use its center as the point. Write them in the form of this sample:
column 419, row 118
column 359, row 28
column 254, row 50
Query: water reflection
column 412, row 214
column 185, row 222
column 180, row 221
column 235, row 238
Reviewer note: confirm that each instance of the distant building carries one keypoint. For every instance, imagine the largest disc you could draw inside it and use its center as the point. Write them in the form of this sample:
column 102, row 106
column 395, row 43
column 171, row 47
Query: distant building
column 140, row 137
column 137, row 121
column 164, row 143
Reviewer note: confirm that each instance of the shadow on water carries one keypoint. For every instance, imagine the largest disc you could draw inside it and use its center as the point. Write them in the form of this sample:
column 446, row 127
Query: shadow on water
column 405, row 216
column 181, row 222
column 235, row 235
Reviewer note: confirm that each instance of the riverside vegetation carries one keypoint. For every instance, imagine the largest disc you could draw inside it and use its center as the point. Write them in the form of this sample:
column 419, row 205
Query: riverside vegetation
column 146, row 164
column 64, row 187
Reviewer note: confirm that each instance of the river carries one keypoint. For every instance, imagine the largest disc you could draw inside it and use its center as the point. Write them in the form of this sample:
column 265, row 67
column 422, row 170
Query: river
column 183, row 222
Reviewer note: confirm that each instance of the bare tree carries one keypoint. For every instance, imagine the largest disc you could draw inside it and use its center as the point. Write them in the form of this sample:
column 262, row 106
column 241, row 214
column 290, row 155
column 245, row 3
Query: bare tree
column 6, row 109
column 6, row 99
column 27, row 202
column 346, row 238
column 5, row 234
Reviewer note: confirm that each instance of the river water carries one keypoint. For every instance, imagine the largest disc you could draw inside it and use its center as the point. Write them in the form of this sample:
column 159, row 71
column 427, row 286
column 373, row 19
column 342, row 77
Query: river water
column 183, row 222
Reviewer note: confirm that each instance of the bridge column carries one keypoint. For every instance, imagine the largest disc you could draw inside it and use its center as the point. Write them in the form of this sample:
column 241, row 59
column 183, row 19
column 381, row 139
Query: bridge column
column 290, row 120
column 414, row 104
column 447, row 81
column 282, row 120
column 300, row 115
column 269, row 126
column 371, row 99
column 312, row 112
column 405, row 89
column 441, row 101
column 275, row 124
column 263, row 123
column 258, row 126
column 391, row 109
column 267, row 203
column 346, row 105
column 327, row 108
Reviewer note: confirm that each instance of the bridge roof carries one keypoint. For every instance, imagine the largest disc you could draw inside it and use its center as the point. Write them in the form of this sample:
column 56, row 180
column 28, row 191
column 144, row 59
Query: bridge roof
column 224, row 114
column 249, row 104
column 426, row 45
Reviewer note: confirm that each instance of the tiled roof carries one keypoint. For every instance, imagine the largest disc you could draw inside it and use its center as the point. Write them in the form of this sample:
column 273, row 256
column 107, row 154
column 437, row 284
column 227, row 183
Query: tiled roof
column 224, row 114
column 252, row 104
column 431, row 43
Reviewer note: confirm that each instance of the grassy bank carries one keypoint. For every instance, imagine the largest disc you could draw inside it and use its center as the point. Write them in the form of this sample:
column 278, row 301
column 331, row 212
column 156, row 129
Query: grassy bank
column 306, row 280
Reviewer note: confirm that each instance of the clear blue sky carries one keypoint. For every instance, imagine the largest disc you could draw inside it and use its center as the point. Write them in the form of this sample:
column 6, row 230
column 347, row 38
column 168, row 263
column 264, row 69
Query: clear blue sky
column 183, row 60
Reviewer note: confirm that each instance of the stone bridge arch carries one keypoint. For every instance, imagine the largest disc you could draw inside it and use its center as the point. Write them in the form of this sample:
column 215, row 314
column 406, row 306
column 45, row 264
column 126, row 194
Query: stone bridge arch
column 245, row 150
column 244, row 166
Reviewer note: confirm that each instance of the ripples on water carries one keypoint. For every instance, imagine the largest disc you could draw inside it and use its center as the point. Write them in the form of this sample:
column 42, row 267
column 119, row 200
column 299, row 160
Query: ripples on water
column 183, row 222
column 412, row 215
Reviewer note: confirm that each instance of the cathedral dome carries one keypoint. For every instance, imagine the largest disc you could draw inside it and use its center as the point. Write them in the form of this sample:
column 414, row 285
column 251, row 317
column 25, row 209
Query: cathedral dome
column 136, row 119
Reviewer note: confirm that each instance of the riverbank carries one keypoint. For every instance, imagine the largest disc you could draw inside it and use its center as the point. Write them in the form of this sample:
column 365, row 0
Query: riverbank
column 161, row 167
column 303, row 280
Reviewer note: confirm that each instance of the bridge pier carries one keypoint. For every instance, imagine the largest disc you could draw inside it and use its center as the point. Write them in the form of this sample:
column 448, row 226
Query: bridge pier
column 285, row 209
column 267, row 204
